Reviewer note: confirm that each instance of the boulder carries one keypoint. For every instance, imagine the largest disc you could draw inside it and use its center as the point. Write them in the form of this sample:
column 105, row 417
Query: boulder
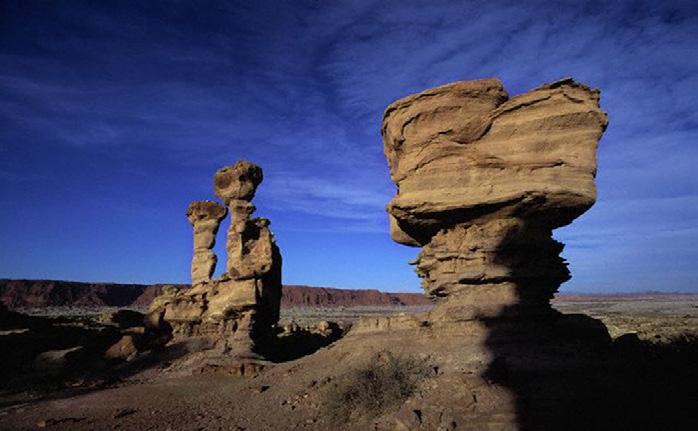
column 237, row 182
column 465, row 153
column 124, row 349
column 123, row 318
column 56, row 362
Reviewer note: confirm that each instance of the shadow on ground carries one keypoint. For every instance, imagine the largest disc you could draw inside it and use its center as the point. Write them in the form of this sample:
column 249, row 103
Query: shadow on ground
column 299, row 343
column 565, row 375
column 61, row 357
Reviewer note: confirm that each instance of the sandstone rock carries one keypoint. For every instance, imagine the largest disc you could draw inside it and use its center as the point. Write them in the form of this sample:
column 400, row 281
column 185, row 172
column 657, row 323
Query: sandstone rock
column 323, row 326
column 463, row 152
column 54, row 362
column 252, row 250
column 205, row 217
column 123, row 318
column 482, row 180
column 628, row 344
column 242, row 305
column 124, row 349
column 237, row 182
column 408, row 418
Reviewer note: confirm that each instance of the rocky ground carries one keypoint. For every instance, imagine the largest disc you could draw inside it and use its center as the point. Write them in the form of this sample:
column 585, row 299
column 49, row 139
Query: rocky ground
column 652, row 317
column 307, row 393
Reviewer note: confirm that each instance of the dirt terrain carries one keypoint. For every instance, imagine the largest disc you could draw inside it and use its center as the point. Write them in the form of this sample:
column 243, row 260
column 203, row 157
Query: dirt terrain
column 651, row 316
column 164, row 394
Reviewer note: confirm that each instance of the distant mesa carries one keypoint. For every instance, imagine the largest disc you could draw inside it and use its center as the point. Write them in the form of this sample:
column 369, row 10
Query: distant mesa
column 57, row 293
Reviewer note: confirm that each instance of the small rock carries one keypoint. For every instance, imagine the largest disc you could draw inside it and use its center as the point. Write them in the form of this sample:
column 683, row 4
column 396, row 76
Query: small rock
column 59, row 361
column 323, row 326
column 119, row 413
column 408, row 418
column 123, row 349
column 123, row 318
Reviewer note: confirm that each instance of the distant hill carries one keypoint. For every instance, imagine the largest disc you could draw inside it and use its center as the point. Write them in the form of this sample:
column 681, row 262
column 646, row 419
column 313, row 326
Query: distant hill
column 52, row 293
column 624, row 296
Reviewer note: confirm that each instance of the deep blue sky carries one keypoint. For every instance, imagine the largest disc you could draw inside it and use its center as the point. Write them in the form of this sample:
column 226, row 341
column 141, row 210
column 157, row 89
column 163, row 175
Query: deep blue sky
column 114, row 115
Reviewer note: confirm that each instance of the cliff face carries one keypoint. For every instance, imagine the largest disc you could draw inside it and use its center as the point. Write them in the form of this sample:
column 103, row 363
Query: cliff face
column 46, row 293
column 294, row 296
column 52, row 293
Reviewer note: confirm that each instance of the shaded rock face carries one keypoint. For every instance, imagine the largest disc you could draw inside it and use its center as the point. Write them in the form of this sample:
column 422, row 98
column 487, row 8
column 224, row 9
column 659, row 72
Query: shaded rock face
column 239, row 308
column 482, row 180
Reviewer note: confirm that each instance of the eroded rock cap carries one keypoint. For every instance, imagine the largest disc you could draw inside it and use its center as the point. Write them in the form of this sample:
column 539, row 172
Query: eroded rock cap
column 237, row 182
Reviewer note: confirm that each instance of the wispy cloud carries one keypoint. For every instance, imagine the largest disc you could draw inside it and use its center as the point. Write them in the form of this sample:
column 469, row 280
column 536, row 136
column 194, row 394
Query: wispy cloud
column 299, row 87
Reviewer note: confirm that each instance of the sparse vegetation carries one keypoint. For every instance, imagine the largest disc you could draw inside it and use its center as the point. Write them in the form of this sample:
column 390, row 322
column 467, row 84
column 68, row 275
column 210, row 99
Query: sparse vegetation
column 384, row 382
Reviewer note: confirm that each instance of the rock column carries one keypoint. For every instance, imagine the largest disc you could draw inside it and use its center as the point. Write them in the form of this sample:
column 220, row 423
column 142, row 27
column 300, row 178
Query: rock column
column 239, row 308
column 488, row 266
column 205, row 217
column 254, row 260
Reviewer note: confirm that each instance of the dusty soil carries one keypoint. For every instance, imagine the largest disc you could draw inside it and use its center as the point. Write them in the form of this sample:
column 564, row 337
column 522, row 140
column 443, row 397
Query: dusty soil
column 649, row 393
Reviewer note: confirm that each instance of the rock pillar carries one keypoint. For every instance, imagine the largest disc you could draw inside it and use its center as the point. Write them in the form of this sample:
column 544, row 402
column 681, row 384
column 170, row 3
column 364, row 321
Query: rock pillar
column 205, row 217
column 238, row 309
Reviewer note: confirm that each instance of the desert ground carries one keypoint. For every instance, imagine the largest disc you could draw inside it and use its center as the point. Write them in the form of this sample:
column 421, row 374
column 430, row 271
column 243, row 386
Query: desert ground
column 298, row 394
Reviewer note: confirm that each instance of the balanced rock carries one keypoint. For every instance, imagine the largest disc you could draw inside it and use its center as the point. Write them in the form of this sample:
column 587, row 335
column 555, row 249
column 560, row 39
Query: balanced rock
column 237, row 182
column 482, row 180
column 240, row 307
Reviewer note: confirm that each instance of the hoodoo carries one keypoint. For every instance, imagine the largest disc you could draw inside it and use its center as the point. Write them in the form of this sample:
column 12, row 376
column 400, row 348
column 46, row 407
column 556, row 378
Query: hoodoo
column 238, row 309
column 482, row 180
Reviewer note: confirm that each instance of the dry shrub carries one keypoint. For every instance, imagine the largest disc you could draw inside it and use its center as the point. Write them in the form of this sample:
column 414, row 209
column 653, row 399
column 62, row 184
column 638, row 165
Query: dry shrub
column 384, row 382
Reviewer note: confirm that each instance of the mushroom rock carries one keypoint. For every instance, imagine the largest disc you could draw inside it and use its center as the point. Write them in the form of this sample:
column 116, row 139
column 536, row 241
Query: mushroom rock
column 482, row 180
column 239, row 308
column 254, row 259
column 237, row 182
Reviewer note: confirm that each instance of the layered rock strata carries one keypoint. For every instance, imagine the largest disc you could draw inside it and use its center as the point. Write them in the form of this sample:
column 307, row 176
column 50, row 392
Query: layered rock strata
column 205, row 217
column 240, row 307
column 482, row 180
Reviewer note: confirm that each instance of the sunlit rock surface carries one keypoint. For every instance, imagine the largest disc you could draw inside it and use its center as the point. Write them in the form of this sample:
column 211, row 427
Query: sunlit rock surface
column 482, row 180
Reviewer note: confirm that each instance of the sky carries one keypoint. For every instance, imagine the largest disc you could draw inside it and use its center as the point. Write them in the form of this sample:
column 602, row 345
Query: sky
column 114, row 115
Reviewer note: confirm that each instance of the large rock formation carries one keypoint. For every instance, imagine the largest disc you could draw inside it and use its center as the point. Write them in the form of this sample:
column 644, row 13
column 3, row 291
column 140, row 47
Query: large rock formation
column 482, row 180
column 240, row 307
